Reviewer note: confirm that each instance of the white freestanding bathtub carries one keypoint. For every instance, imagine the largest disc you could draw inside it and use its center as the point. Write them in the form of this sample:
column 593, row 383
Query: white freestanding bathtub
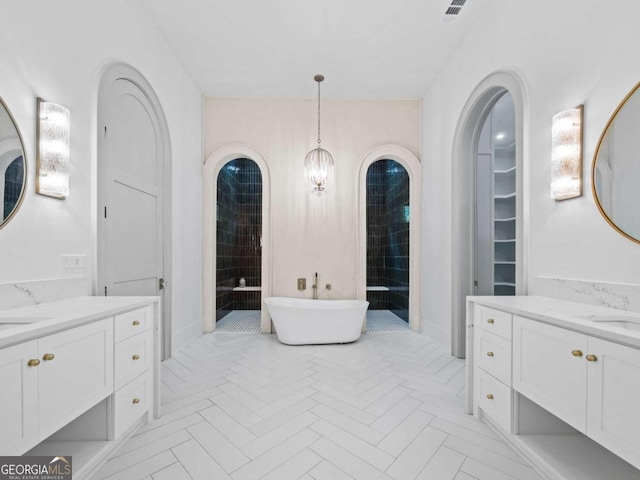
column 301, row 321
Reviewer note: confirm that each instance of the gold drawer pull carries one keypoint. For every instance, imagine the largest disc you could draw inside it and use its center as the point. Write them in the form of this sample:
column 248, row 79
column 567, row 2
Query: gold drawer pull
column 490, row 320
column 136, row 322
column 591, row 358
column 48, row 356
column 576, row 353
column 136, row 357
column 489, row 354
column 136, row 400
column 490, row 396
column 34, row 362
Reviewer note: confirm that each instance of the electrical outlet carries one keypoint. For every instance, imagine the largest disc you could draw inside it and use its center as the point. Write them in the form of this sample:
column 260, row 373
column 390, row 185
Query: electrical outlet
column 74, row 264
column 302, row 284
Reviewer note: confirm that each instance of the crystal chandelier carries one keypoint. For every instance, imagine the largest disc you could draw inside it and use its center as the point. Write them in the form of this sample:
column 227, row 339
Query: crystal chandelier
column 318, row 163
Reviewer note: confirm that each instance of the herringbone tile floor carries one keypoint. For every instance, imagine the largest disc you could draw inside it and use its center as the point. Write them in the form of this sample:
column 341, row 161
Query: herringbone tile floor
column 245, row 407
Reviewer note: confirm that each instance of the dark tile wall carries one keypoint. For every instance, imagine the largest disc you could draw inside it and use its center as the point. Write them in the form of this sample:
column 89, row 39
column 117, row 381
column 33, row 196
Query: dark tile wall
column 239, row 230
column 13, row 181
column 388, row 236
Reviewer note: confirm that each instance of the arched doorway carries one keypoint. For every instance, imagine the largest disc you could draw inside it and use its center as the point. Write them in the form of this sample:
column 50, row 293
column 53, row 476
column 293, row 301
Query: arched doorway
column 214, row 163
column 410, row 163
column 465, row 189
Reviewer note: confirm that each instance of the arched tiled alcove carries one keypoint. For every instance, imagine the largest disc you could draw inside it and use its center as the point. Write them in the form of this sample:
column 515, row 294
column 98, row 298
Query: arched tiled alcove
column 212, row 166
column 413, row 167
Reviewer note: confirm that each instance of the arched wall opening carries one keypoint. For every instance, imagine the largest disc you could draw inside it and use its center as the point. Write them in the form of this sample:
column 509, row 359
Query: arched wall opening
column 467, row 135
column 212, row 167
column 412, row 166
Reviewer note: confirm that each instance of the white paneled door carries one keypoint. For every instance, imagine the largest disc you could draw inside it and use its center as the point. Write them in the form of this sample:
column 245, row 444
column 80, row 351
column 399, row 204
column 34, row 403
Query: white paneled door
column 131, row 166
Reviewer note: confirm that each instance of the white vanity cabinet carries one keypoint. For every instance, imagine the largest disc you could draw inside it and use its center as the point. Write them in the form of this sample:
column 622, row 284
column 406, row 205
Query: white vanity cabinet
column 613, row 398
column 568, row 395
column 133, row 360
column 78, row 383
column 46, row 382
column 589, row 383
column 75, row 373
column 492, row 351
column 549, row 368
column 18, row 398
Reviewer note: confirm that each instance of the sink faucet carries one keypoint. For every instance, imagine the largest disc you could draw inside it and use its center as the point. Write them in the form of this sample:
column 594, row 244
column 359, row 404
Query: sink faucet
column 315, row 287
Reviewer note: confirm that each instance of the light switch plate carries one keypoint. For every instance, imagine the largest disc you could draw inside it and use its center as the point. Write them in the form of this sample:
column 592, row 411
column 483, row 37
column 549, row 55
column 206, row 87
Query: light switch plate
column 74, row 264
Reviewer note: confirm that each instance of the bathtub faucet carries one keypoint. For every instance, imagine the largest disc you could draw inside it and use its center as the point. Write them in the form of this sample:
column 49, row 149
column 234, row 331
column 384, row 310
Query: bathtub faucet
column 315, row 287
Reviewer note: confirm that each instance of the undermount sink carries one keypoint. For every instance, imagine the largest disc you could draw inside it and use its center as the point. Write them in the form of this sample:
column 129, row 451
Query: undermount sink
column 22, row 320
column 7, row 326
column 619, row 321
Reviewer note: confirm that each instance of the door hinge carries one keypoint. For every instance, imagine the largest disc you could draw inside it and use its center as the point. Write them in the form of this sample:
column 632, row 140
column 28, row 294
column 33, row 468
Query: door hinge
column 105, row 291
column 161, row 283
column 105, row 131
column 475, row 283
column 105, row 212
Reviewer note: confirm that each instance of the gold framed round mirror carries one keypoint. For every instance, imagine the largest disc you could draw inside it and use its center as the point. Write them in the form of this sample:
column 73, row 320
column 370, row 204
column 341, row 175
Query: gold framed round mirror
column 13, row 166
column 615, row 173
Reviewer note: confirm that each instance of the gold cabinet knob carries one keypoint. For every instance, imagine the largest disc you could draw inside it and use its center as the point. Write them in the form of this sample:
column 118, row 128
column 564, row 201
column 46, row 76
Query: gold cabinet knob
column 489, row 354
column 34, row 362
column 591, row 358
column 136, row 322
column 136, row 400
column 490, row 396
column 490, row 320
column 576, row 353
column 48, row 356
column 136, row 357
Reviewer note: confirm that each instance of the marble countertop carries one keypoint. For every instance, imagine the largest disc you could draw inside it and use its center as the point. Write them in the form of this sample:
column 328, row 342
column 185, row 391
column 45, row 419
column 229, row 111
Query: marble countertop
column 26, row 323
column 570, row 315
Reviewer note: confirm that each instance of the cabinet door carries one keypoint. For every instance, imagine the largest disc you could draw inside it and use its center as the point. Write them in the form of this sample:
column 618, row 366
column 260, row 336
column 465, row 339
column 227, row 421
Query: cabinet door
column 614, row 397
column 18, row 398
column 79, row 375
column 548, row 370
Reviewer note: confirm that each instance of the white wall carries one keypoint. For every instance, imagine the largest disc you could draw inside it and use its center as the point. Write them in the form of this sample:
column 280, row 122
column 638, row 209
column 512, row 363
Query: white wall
column 567, row 53
column 57, row 50
column 310, row 233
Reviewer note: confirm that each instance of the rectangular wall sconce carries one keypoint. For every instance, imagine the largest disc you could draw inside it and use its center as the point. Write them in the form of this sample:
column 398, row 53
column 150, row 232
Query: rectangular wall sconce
column 566, row 154
column 52, row 151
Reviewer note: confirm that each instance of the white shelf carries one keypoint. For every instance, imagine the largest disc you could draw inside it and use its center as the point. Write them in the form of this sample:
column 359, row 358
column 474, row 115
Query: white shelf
column 508, row 170
column 504, row 284
column 83, row 452
column 511, row 219
column 575, row 456
column 511, row 240
column 508, row 195
column 377, row 289
column 504, row 262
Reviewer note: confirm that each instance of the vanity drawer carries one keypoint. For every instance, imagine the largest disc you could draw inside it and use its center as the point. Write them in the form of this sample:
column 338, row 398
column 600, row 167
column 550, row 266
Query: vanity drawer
column 494, row 321
column 132, row 358
column 495, row 399
column 131, row 402
column 493, row 355
column 132, row 323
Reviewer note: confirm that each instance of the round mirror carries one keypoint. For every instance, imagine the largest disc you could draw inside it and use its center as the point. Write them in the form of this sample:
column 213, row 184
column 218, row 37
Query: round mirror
column 13, row 166
column 615, row 174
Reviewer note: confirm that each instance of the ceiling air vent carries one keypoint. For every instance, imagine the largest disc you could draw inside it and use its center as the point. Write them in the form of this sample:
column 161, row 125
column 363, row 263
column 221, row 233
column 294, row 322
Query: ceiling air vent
column 453, row 11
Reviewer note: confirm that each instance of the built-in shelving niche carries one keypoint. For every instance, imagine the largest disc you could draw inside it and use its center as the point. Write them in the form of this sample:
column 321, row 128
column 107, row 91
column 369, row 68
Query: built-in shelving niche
column 496, row 202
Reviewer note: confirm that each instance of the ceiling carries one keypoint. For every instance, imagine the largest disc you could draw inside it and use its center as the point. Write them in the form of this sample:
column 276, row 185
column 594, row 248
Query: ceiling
column 364, row 48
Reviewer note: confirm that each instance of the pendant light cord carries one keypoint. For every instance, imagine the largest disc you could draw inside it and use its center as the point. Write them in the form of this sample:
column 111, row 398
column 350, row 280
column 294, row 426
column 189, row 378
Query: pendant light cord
column 318, row 114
